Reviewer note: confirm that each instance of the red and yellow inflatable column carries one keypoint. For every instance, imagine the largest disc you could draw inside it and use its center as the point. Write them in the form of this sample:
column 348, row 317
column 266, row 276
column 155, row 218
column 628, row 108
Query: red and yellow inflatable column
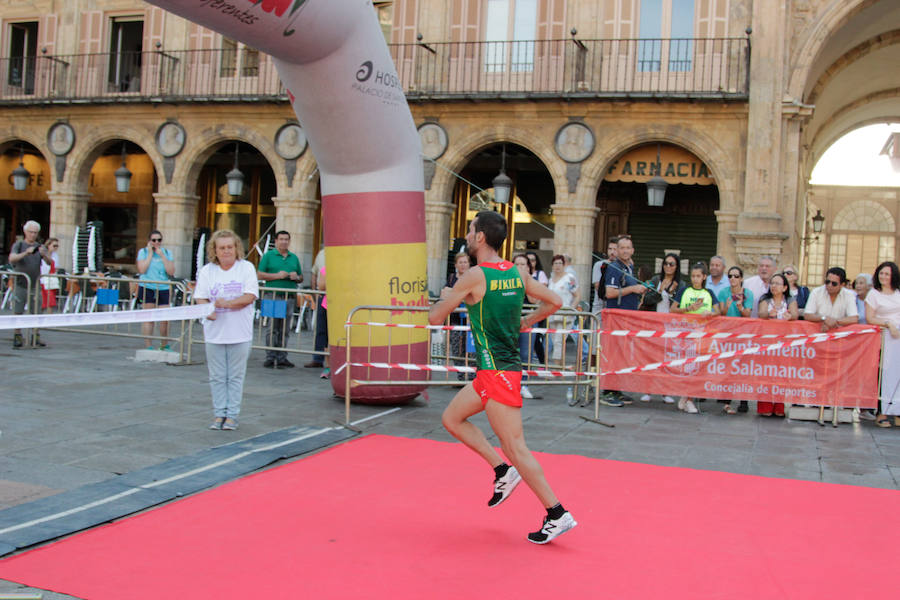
column 375, row 243
column 332, row 57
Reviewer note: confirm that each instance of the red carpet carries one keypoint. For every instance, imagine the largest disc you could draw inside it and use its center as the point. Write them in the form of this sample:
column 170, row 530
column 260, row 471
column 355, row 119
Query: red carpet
column 384, row 517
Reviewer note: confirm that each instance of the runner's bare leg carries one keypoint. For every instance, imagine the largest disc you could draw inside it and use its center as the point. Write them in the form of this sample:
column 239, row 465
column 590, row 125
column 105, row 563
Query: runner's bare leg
column 506, row 421
column 466, row 403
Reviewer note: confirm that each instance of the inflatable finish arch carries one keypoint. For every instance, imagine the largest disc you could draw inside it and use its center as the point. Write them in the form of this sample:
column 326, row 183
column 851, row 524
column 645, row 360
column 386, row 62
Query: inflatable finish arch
column 331, row 56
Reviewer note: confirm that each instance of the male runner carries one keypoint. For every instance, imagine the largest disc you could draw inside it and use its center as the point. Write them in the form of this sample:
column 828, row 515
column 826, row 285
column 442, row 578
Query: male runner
column 494, row 293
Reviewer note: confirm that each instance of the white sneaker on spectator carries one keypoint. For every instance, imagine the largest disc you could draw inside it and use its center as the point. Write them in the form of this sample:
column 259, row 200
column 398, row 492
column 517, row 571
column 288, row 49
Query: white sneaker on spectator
column 690, row 408
column 526, row 393
column 668, row 399
column 645, row 398
column 868, row 415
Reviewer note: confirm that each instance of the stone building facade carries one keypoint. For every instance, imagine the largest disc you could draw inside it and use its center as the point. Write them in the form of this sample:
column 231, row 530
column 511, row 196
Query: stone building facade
column 731, row 102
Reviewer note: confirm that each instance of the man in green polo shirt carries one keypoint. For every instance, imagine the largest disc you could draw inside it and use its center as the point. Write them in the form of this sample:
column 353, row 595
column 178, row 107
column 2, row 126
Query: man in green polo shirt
column 279, row 268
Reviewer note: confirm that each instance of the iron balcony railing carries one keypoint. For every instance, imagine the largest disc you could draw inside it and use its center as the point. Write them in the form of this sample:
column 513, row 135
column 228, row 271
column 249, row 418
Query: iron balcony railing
column 652, row 68
column 696, row 68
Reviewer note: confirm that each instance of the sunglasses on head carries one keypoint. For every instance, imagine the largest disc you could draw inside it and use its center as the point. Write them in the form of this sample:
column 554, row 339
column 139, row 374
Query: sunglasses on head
column 734, row 276
column 788, row 272
column 155, row 239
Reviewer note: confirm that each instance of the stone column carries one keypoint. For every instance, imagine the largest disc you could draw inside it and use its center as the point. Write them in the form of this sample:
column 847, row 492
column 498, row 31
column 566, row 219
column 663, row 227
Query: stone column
column 759, row 228
column 793, row 199
column 438, row 215
column 763, row 167
column 727, row 224
column 575, row 236
column 176, row 218
column 297, row 216
column 68, row 210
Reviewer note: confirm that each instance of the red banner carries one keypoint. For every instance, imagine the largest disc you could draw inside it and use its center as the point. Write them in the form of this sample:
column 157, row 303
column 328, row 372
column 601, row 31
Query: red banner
column 842, row 372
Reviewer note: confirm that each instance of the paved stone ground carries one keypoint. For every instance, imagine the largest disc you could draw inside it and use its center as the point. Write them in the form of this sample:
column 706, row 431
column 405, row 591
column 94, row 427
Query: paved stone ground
column 81, row 411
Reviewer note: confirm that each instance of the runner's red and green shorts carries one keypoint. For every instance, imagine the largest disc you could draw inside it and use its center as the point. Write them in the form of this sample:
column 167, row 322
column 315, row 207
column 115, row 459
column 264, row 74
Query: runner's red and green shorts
column 504, row 387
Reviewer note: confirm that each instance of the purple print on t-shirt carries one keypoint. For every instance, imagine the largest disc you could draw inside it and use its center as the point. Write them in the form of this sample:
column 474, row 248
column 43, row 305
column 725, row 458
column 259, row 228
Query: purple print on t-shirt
column 226, row 291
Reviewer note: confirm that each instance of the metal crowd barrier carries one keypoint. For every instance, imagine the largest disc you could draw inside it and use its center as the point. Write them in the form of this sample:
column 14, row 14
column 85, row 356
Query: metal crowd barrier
column 576, row 369
column 11, row 282
column 108, row 293
column 281, row 316
column 293, row 310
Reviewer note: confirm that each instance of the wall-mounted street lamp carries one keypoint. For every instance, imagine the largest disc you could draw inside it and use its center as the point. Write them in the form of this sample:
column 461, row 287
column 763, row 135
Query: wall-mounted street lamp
column 818, row 222
column 502, row 183
column 20, row 174
column 656, row 187
column 234, row 177
column 123, row 175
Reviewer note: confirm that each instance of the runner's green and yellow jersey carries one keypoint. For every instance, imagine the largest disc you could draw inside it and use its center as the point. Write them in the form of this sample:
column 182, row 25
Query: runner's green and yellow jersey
column 496, row 319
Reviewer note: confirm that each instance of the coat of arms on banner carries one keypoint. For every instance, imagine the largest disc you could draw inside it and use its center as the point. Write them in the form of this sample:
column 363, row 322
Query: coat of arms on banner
column 680, row 347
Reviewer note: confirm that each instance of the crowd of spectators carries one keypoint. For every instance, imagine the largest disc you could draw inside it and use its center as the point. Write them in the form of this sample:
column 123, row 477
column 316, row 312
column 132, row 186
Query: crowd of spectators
column 706, row 288
column 713, row 289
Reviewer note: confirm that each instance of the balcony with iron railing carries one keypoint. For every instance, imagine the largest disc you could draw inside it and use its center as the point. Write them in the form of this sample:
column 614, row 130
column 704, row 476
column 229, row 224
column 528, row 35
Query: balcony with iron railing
column 693, row 69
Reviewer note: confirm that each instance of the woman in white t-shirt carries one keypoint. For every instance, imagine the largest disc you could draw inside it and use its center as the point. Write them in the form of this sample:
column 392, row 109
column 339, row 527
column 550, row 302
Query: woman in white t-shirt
column 564, row 285
column 230, row 283
column 883, row 310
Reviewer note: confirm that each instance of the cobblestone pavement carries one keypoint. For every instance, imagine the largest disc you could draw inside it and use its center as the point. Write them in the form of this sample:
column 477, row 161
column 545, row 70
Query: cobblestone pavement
column 82, row 410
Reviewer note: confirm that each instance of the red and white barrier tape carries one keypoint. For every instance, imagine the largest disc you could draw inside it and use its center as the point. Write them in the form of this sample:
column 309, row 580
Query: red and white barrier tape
column 693, row 335
column 175, row 313
column 809, row 339
column 446, row 369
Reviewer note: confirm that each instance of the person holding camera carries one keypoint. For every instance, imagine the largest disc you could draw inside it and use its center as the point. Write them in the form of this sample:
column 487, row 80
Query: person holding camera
column 155, row 265
column 26, row 256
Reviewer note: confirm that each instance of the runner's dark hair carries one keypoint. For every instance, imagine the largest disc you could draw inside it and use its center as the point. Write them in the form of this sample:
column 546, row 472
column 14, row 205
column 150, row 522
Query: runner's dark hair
column 493, row 226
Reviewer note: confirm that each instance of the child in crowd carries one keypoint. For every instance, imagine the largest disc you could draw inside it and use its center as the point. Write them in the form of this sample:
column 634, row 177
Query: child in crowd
column 695, row 300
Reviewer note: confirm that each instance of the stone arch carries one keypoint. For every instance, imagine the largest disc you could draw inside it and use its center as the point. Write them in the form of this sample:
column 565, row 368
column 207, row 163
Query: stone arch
column 461, row 152
column 202, row 144
column 825, row 134
column 706, row 149
column 817, row 35
column 868, row 46
column 90, row 146
column 13, row 133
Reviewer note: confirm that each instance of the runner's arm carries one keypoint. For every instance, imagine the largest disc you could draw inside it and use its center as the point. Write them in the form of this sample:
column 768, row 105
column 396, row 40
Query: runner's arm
column 452, row 297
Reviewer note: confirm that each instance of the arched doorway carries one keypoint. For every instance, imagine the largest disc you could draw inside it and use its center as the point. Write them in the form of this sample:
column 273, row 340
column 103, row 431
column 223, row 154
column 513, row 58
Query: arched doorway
column 30, row 204
column 127, row 217
column 856, row 187
column 529, row 211
column 252, row 213
column 685, row 223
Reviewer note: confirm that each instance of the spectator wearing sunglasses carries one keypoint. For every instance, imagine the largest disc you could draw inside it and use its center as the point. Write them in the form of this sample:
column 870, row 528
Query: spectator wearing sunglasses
column 155, row 265
column 832, row 304
column 800, row 293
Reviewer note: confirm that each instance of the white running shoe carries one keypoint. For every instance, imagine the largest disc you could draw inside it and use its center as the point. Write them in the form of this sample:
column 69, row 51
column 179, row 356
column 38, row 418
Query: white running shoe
column 552, row 528
column 668, row 399
column 526, row 393
column 645, row 398
column 690, row 408
column 504, row 486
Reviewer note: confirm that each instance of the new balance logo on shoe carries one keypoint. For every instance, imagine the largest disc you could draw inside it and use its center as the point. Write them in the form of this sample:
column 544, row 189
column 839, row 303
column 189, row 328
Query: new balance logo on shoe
column 504, row 486
column 552, row 528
